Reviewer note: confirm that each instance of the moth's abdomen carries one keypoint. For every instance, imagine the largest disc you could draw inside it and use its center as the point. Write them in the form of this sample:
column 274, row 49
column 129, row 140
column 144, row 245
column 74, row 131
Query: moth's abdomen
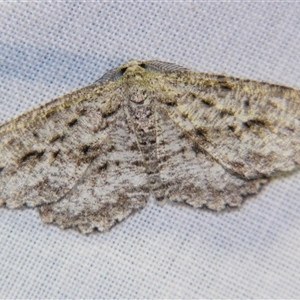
column 142, row 119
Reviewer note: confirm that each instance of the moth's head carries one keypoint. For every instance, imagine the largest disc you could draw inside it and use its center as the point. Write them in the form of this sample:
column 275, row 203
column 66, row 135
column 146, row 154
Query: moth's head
column 140, row 70
column 132, row 70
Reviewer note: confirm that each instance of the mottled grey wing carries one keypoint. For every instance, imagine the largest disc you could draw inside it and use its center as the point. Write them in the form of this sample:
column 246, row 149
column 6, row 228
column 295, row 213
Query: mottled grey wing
column 114, row 185
column 191, row 175
column 75, row 159
column 230, row 136
column 45, row 151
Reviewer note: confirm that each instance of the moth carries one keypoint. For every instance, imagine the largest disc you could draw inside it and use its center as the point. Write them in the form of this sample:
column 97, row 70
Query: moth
column 89, row 159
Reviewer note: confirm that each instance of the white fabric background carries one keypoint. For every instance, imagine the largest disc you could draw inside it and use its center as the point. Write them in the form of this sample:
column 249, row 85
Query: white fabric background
column 47, row 49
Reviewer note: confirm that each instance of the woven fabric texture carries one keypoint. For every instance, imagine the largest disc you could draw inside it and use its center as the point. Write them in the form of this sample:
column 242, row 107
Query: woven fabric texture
column 170, row 251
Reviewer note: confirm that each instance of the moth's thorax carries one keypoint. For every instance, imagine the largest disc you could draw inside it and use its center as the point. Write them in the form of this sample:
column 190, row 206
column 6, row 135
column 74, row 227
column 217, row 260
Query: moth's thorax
column 140, row 92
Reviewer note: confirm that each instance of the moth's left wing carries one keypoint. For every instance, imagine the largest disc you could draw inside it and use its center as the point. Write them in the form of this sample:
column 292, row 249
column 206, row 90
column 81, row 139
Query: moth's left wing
column 45, row 151
column 114, row 186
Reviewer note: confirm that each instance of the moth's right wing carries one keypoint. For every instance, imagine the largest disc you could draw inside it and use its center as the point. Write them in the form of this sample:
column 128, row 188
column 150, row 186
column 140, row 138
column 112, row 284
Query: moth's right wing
column 251, row 128
column 192, row 176
column 221, row 138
